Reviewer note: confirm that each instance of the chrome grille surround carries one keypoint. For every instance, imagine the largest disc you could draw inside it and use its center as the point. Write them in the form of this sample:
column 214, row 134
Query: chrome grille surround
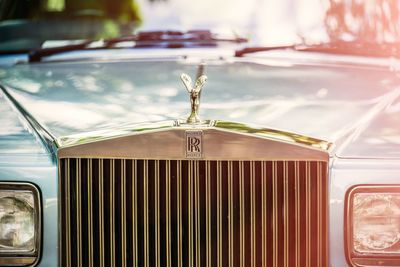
column 252, row 200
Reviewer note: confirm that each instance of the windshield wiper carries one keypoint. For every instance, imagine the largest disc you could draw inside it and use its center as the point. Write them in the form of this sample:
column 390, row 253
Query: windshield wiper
column 177, row 39
column 150, row 39
column 256, row 49
column 339, row 48
column 37, row 54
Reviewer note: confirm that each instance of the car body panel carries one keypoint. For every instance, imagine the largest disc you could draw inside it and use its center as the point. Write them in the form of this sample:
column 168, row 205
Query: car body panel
column 344, row 174
column 45, row 178
column 344, row 102
column 329, row 102
column 24, row 158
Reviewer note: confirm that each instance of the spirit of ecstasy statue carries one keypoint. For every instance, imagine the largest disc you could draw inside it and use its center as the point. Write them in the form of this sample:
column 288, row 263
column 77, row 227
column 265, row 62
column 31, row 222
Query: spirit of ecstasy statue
column 195, row 93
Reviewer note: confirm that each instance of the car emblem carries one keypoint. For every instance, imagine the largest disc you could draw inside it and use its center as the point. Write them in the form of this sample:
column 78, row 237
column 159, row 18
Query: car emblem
column 195, row 93
column 194, row 144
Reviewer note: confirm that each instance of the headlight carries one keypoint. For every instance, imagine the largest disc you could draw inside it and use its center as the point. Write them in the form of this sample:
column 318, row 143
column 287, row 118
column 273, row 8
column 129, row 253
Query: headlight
column 19, row 224
column 373, row 225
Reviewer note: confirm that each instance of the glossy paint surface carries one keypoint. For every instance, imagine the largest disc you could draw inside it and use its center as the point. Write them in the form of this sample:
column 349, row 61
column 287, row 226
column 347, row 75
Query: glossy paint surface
column 15, row 137
column 381, row 135
column 326, row 101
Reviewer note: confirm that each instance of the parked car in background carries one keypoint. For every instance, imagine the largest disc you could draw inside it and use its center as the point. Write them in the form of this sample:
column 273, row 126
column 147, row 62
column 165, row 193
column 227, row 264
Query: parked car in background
column 170, row 133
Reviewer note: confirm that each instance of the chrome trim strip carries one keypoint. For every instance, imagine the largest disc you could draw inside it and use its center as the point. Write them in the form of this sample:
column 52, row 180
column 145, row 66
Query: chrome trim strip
column 47, row 139
column 18, row 261
column 222, row 141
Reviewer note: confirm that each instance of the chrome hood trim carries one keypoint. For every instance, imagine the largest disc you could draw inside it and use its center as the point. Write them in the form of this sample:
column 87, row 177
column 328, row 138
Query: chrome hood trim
column 221, row 141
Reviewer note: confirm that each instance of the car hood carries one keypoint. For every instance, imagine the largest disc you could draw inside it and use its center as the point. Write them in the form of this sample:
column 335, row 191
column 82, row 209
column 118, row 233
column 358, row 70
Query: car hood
column 334, row 102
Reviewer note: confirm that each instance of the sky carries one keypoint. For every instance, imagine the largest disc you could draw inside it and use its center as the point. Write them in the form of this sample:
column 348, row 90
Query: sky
column 264, row 21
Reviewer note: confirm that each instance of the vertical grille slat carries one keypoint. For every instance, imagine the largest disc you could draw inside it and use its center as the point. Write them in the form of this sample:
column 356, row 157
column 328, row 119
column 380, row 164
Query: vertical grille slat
column 253, row 213
column 297, row 213
column 230, row 214
column 263, row 215
column 168, row 213
column 208, row 213
column 123, row 213
column 275, row 215
column 142, row 212
column 145, row 214
column 179, row 213
column 111, row 207
column 308, row 214
column 286, row 214
column 190, row 214
column 101, row 212
column 90, row 212
column 79, row 212
column 242, row 214
column 157, row 213
column 134, row 215
column 197, row 210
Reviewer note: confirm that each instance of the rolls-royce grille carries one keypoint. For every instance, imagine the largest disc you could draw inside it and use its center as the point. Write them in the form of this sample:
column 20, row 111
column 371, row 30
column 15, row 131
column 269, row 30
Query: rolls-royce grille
column 124, row 212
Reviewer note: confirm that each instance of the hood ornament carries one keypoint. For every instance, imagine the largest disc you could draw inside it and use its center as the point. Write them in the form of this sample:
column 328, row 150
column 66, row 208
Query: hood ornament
column 195, row 93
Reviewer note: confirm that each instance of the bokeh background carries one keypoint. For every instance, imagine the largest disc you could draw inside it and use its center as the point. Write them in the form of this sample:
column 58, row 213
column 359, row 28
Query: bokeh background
column 27, row 23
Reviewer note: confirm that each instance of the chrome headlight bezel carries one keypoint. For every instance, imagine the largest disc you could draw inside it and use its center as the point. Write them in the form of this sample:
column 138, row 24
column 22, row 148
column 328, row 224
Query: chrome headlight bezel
column 20, row 258
column 354, row 257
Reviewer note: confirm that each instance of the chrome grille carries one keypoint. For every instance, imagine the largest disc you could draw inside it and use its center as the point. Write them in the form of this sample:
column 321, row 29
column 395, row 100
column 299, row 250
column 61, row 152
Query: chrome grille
column 128, row 212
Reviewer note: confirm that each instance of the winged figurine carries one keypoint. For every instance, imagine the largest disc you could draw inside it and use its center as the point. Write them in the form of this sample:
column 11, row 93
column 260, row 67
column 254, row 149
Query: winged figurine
column 195, row 92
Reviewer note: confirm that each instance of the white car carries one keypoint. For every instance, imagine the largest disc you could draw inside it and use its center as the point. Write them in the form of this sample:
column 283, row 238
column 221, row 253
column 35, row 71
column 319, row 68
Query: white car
column 196, row 148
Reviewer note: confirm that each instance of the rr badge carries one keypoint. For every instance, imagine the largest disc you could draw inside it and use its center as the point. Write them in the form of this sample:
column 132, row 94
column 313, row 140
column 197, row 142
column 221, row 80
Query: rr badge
column 194, row 144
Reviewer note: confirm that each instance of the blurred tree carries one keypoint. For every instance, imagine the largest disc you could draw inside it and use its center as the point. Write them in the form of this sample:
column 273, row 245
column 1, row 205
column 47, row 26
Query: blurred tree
column 121, row 10
column 363, row 20
column 38, row 21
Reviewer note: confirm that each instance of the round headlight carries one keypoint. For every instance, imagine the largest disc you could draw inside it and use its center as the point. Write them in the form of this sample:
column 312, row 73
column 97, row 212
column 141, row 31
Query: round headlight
column 17, row 222
column 376, row 222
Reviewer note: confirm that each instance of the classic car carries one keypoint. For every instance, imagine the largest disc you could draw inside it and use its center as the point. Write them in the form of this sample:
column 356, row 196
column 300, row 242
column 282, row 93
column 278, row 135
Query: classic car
column 118, row 151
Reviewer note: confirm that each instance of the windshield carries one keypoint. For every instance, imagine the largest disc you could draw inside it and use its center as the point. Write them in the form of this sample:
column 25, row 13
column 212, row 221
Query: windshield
column 31, row 24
